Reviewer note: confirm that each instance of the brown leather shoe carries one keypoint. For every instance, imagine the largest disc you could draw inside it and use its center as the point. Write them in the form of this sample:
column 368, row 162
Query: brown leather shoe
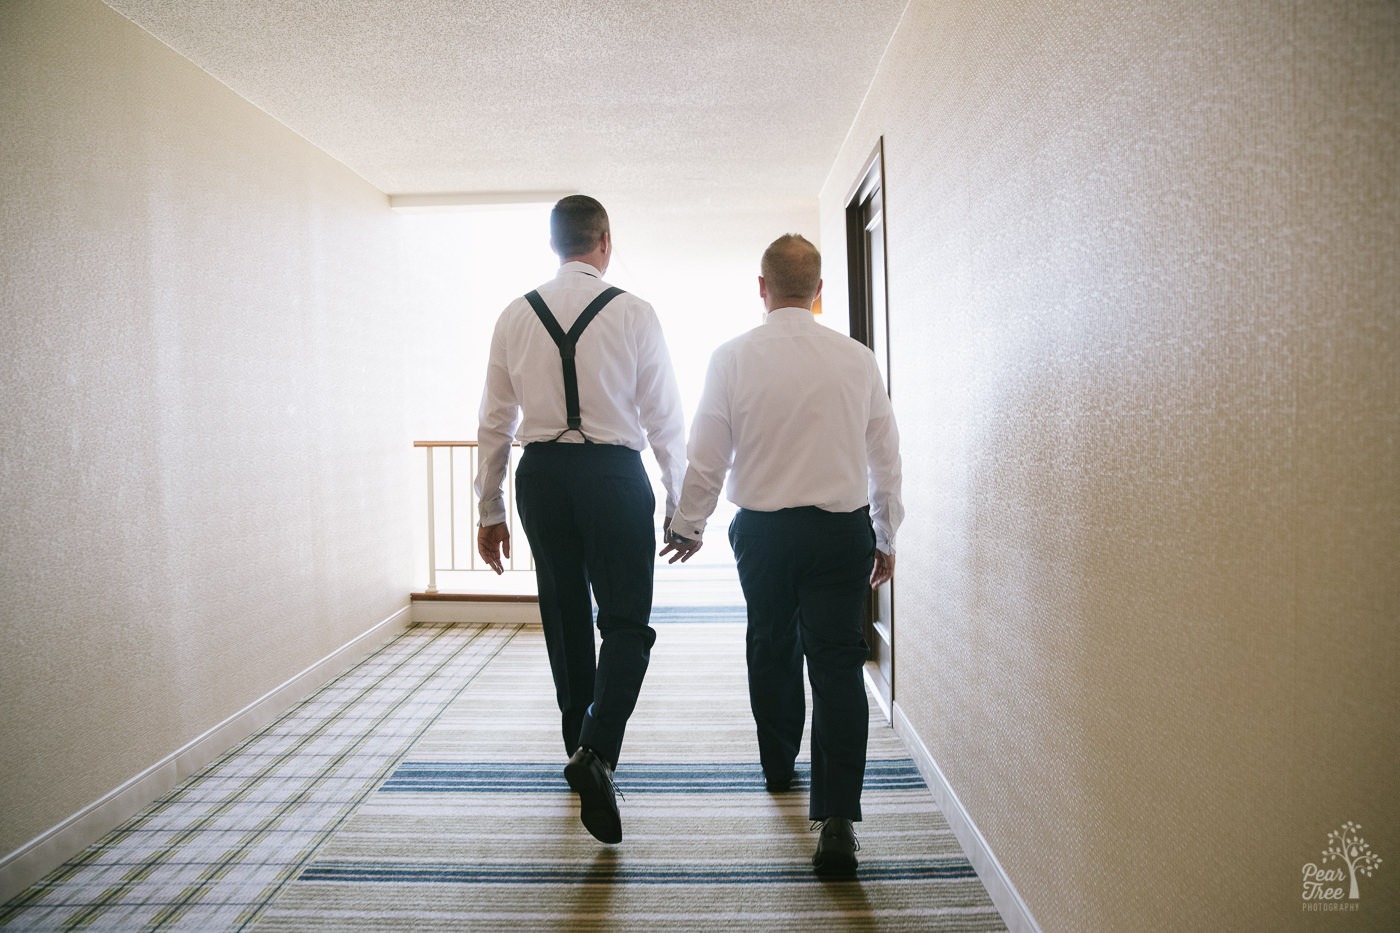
column 836, row 848
column 592, row 778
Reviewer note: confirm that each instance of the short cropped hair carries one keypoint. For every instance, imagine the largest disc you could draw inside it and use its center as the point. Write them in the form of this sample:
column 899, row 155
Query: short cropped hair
column 576, row 225
column 792, row 267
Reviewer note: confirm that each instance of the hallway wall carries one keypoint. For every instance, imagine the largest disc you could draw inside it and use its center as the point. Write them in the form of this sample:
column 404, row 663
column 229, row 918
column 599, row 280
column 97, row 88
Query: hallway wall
column 1142, row 278
column 206, row 468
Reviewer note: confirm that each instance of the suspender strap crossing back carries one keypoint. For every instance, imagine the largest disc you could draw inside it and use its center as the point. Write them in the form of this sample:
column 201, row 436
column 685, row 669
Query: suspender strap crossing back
column 567, row 343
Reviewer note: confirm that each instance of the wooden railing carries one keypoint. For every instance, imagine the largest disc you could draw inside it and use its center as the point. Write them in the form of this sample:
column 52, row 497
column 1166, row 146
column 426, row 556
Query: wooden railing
column 453, row 514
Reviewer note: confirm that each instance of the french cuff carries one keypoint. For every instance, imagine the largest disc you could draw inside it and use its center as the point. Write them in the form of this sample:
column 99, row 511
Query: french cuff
column 680, row 525
column 492, row 513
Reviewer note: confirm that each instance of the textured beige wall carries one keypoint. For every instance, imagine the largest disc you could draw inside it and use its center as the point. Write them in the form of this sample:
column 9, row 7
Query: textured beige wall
column 205, row 474
column 1143, row 274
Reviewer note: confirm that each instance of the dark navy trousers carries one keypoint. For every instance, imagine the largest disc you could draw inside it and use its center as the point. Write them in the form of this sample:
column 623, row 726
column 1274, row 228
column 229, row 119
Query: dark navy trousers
column 806, row 578
column 589, row 514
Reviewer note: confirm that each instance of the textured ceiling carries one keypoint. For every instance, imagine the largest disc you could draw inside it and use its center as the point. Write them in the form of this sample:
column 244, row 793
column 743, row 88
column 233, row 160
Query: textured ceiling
column 703, row 103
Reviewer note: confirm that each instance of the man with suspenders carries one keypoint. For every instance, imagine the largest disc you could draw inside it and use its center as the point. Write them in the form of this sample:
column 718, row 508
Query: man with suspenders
column 580, row 375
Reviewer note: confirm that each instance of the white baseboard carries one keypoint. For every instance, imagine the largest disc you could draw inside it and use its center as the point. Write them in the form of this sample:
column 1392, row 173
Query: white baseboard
column 32, row 861
column 994, row 878
column 476, row 611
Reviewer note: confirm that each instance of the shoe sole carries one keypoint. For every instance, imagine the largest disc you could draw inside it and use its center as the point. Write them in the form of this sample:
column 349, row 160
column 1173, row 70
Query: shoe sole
column 601, row 820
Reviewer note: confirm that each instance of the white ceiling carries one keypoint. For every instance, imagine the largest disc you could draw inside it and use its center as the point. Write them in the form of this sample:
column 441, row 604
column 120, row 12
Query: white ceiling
column 696, row 103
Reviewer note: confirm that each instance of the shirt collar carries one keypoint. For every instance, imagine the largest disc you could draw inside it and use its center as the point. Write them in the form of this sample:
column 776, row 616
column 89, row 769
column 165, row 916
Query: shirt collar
column 578, row 266
column 790, row 316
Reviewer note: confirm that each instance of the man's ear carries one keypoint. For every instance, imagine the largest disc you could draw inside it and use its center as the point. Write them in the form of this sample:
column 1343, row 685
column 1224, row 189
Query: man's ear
column 819, row 290
column 762, row 288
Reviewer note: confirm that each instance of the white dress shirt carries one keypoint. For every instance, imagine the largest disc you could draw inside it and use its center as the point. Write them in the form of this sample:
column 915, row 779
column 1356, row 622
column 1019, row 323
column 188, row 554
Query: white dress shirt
column 626, row 388
column 798, row 415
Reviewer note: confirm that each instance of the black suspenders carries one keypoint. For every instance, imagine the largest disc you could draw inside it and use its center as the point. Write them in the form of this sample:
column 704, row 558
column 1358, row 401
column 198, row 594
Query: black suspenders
column 567, row 344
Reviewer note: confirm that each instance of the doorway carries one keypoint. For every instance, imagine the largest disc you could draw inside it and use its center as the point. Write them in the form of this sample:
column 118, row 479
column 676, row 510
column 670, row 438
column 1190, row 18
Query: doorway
column 869, row 310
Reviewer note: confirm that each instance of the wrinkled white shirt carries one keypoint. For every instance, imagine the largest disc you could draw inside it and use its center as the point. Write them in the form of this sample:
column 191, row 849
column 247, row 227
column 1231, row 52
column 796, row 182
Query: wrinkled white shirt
column 626, row 388
column 798, row 415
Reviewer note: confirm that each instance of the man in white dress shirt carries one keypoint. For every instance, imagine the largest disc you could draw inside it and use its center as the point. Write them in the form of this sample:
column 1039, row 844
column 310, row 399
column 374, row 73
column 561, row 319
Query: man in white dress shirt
column 580, row 375
column 798, row 416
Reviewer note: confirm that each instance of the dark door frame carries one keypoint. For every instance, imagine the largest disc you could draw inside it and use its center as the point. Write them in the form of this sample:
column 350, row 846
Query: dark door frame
column 867, row 275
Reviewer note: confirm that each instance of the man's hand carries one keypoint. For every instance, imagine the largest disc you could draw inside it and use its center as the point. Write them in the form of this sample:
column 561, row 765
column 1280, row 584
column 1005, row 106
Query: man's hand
column 680, row 548
column 884, row 569
column 493, row 542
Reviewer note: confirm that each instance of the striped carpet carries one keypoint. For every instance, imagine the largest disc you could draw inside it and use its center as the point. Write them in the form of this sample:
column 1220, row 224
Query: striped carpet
column 423, row 791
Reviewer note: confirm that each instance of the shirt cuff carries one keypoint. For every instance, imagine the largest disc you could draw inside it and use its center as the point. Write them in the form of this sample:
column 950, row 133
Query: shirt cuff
column 687, row 527
column 492, row 512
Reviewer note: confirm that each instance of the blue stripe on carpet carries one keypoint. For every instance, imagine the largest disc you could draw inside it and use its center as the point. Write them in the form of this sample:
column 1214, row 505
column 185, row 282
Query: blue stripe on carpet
column 447, row 873
column 470, row 777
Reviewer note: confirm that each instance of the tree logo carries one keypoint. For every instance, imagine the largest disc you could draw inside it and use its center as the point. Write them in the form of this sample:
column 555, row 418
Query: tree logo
column 1345, row 847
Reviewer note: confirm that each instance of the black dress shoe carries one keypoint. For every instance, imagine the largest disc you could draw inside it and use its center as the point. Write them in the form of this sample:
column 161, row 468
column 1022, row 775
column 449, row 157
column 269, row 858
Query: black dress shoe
column 776, row 785
column 587, row 774
column 836, row 848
